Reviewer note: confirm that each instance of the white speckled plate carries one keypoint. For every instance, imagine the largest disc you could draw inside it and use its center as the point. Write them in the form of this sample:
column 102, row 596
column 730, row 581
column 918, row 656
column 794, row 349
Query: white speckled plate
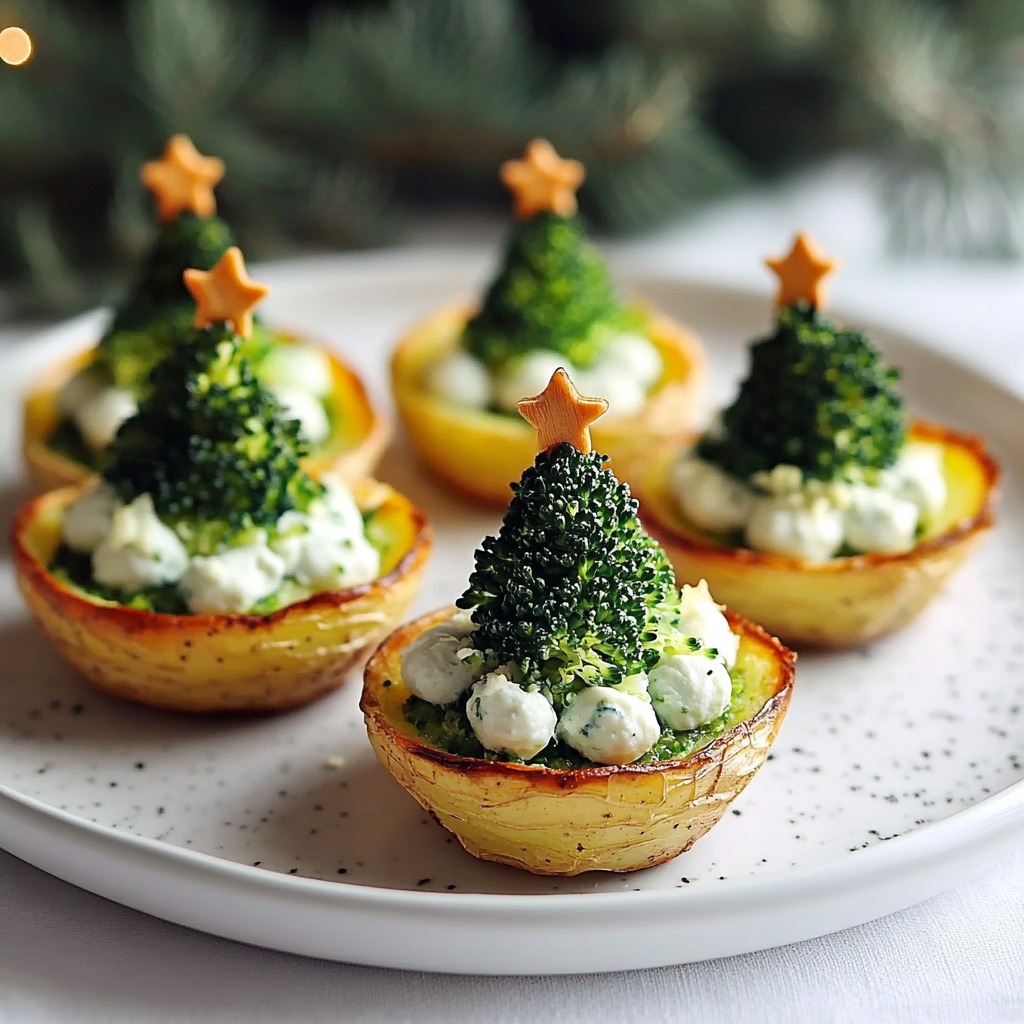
column 898, row 771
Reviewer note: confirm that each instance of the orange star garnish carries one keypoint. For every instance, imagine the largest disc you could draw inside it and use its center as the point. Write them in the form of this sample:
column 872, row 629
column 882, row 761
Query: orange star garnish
column 801, row 273
column 542, row 181
column 225, row 293
column 183, row 179
column 559, row 414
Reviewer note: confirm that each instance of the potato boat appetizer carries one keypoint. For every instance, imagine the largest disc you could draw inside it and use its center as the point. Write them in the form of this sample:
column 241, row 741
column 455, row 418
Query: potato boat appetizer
column 205, row 570
column 578, row 712
column 74, row 409
column 812, row 505
column 458, row 375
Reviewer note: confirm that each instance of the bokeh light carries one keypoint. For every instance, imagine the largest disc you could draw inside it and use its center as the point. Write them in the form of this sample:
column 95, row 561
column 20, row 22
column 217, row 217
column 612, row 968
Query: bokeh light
column 15, row 45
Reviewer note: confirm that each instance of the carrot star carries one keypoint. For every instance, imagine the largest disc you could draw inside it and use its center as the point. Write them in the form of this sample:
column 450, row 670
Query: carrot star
column 225, row 293
column 183, row 179
column 561, row 414
column 542, row 181
column 801, row 273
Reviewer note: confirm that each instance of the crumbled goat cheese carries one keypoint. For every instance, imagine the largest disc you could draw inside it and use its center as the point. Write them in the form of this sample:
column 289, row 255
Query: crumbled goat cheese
column 439, row 666
column 87, row 522
column 508, row 719
column 608, row 726
column 298, row 368
column 689, row 690
column 233, row 580
column 701, row 617
column 633, row 355
column 139, row 550
column 876, row 520
column 100, row 417
column 307, row 409
column 625, row 394
column 526, row 376
column 461, row 379
column 791, row 526
column 710, row 497
column 918, row 477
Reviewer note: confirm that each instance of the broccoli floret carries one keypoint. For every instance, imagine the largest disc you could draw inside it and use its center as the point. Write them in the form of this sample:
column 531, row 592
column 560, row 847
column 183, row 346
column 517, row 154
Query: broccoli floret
column 128, row 356
column 572, row 589
column 186, row 241
column 553, row 292
column 208, row 442
column 817, row 397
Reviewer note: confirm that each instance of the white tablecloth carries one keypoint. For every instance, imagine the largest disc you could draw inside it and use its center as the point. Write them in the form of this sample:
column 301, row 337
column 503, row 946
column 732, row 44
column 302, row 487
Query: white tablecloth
column 66, row 955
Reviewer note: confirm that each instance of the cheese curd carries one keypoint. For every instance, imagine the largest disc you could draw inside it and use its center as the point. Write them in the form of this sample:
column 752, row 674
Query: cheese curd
column 232, row 580
column 300, row 368
column 701, row 617
column 506, row 718
column 308, row 409
column 439, row 666
column 87, row 522
column 609, row 726
column 790, row 526
column 785, row 514
column 139, row 550
column 524, row 377
column 710, row 497
column 461, row 379
column 99, row 418
column 689, row 690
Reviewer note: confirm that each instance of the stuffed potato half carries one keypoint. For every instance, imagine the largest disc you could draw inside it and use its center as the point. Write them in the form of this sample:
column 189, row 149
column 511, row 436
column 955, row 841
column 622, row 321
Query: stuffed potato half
column 204, row 663
column 847, row 600
column 563, row 822
column 480, row 452
column 358, row 437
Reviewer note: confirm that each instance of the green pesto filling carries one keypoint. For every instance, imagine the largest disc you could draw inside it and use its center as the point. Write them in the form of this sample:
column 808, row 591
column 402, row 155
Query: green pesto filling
column 447, row 728
column 818, row 397
column 553, row 293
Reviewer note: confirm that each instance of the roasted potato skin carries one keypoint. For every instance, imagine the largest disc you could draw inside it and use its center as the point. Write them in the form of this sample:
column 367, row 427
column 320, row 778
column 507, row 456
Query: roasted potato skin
column 479, row 453
column 207, row 663
column 846, row 601
column 358, row 437
column 564, row 822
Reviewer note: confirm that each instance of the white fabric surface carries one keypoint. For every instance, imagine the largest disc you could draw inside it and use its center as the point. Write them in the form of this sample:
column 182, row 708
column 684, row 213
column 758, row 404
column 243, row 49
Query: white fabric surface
column 66, row 955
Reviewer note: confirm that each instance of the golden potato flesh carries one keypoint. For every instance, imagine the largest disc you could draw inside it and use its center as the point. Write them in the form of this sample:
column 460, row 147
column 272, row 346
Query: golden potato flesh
column 358, row 435
column 563, row 822
column 222, row 662
column 846, row 600
column 479, row 453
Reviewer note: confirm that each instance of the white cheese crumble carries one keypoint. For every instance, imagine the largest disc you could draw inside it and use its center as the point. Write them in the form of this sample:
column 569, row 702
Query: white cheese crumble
column 86, row 522
column 506, row 718
column 100, row 417
column 297, row 368
column 439, row 666
column 788, row 515
column 308, row 409
column 628, row 367
column 689, row 690
column 701, row 617
column 326, row 548
column 139, row 550
column 609, row 726
column 524, row 377
column 233, row 580
column 461, row 379
column 790, row 526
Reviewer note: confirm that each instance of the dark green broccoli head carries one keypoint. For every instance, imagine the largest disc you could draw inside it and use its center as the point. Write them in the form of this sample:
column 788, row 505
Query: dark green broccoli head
column 208, row 442
column 572, row 585
column 818, row 397
column 187, row 240
column 553, row 292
